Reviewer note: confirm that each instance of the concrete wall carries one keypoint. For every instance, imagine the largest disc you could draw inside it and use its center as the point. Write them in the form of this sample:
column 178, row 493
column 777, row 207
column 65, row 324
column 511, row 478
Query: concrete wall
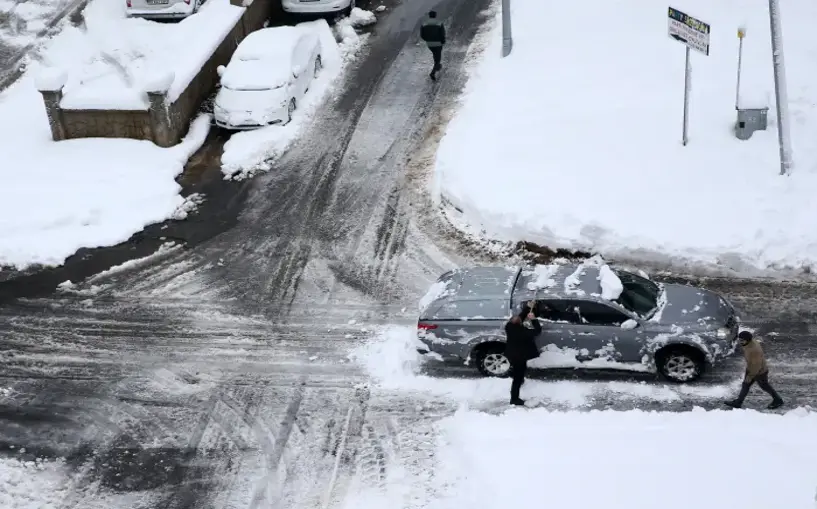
column 163, row 122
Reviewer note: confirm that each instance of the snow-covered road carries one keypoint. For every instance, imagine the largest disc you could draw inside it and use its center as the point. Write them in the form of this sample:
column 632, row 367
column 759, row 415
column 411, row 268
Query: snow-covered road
column 221, row 376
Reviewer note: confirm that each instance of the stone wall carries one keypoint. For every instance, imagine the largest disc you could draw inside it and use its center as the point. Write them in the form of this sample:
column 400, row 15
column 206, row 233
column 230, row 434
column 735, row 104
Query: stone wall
column 164, row 123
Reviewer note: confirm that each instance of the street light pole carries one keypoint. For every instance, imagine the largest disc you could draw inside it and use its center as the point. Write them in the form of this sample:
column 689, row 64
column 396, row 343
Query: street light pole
column 783, row 132
column 507, row 39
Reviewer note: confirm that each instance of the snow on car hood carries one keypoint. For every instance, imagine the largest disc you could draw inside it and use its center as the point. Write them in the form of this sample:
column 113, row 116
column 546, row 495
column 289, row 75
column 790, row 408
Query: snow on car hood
column 249, row 100
column 255, row 74
column 687, row 304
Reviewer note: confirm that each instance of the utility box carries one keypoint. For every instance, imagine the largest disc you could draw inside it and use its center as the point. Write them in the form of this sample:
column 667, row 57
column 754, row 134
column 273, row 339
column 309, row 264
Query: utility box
column 749, row 121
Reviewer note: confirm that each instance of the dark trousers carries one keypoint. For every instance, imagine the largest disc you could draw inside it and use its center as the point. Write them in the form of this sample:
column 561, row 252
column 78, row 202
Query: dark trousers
column 762, row 382
column 518, row 370
column 437, row 53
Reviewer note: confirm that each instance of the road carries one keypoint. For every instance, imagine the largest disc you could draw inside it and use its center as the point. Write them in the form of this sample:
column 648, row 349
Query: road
column 219, row 376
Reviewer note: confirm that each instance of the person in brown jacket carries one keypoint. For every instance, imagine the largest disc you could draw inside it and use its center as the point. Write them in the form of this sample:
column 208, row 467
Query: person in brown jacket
column 756, row 371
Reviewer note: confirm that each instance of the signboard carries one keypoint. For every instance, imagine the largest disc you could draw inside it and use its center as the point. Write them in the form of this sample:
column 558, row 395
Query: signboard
column 692, row 32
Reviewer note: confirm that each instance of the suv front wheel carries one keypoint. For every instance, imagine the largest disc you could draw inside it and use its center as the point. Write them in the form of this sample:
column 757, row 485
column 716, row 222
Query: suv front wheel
column 680, row 364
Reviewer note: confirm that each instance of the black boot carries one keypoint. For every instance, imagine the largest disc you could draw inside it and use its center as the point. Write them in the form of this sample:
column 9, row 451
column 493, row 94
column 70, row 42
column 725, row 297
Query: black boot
column 776, row 403
column 734, row 403
column 518, row 402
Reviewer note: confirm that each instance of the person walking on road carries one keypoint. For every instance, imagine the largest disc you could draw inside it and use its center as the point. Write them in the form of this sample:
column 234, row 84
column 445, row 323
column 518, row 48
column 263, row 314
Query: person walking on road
column 520, row 347
column 433, row 33
column 756, row 371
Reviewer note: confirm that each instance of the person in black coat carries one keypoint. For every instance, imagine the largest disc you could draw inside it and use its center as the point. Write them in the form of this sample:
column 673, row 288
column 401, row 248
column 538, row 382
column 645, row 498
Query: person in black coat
column 520, row 347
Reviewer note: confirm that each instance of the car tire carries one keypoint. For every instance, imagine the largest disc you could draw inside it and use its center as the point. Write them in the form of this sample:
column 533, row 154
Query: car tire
column 291, row 109
column 680, row 364
column 491, row 361
column 348, row 11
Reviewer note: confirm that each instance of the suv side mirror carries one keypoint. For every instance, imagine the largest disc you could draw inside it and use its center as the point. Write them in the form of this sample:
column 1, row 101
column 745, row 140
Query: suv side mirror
column 629, row 324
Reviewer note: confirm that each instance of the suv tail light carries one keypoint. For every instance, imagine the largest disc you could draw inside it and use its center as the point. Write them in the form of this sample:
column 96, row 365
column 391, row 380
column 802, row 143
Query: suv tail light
column 187, row 2
column 128, row 3
column 426, row 326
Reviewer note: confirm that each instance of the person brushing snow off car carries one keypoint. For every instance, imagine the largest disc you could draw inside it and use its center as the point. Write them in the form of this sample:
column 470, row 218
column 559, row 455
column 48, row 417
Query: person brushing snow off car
column 520, row 347
column 756, row 371
column 433, row 33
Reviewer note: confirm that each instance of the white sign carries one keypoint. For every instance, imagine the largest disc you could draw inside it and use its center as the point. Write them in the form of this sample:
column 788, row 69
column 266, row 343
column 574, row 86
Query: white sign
column 692, row 32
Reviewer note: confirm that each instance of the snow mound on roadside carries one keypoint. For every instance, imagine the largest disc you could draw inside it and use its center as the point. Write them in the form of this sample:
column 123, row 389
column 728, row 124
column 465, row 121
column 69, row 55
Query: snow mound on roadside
column 36, row 484
column 392, row 360
column 248, row 152
column 361, row 17
column 611, row 451
column 577, row 162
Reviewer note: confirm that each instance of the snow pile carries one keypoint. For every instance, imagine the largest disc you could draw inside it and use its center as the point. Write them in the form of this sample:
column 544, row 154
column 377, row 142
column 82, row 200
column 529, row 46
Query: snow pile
column 575, row 161
column 59, row 197
column 118, row 59
column 32, row 484
column 250, row 151
column 51, row 79
column 361, row 17
column 554, row 457
column 392, row 360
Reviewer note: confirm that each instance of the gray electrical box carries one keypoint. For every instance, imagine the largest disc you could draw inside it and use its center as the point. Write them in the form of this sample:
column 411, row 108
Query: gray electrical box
column 749, row 121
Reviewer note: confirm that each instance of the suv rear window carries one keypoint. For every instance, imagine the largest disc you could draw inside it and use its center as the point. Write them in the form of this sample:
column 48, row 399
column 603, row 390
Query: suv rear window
column 471, row 310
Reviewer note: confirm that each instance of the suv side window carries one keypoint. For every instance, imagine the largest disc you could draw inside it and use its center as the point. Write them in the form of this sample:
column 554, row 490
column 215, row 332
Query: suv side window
column 595, row 313
column 556, row 311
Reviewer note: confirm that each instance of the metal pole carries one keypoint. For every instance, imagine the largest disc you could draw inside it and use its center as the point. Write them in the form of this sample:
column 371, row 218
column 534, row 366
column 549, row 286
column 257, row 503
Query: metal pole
column 741, row 35
column 507, row 39
column 687, row 81
column 783, row 133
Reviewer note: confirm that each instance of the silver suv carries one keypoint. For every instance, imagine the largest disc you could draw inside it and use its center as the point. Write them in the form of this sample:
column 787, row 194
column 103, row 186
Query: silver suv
column 594, row 312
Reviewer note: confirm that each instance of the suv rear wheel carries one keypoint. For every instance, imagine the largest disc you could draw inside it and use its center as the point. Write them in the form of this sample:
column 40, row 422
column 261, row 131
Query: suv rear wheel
column 491, row 360
column 680, row 364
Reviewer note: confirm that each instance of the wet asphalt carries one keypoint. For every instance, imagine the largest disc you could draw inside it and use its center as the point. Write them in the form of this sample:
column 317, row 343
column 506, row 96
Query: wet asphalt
column 218, row 375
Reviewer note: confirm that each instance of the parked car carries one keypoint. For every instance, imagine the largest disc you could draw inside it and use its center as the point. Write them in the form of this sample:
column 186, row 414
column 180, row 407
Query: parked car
column 318, row 6
column 675, row 329
column 162, row 9
column 267, row 76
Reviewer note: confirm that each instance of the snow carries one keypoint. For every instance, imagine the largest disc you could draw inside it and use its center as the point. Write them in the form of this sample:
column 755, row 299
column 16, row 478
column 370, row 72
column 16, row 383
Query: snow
column 611, row 286
column 39, row 484
column 597, row 164
column 616, row 460
column 247, row 152
column 117, row 59
column 160, row 81
column 361, row 17
column 57, row 197
column 390, row 358
column 436, row 291
column 51, row 79
column 544, row 277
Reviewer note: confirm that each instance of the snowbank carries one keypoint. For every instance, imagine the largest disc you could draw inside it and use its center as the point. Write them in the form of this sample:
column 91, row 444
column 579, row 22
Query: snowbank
column 576, row 460
column 585, row 153
column 32, row 484
column 59, row 197
column 391, row 359
column 250, row 151
column 119, row 58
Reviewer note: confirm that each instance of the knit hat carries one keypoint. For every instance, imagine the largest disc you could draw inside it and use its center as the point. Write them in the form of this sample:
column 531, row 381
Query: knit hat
column 745, row 335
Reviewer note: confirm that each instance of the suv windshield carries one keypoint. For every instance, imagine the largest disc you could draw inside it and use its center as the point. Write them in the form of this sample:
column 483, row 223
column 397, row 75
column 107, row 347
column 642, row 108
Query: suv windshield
column 640, row 295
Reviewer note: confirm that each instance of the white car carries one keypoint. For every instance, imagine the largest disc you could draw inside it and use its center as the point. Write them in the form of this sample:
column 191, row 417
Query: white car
column 318, row 6
column 162, row 9
column 268, row 75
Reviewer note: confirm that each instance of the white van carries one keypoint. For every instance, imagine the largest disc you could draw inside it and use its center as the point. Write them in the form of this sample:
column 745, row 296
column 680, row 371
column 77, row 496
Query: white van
column 318, row 6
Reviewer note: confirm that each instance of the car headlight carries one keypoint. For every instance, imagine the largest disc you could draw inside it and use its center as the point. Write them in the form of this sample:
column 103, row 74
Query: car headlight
column 722, row 333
